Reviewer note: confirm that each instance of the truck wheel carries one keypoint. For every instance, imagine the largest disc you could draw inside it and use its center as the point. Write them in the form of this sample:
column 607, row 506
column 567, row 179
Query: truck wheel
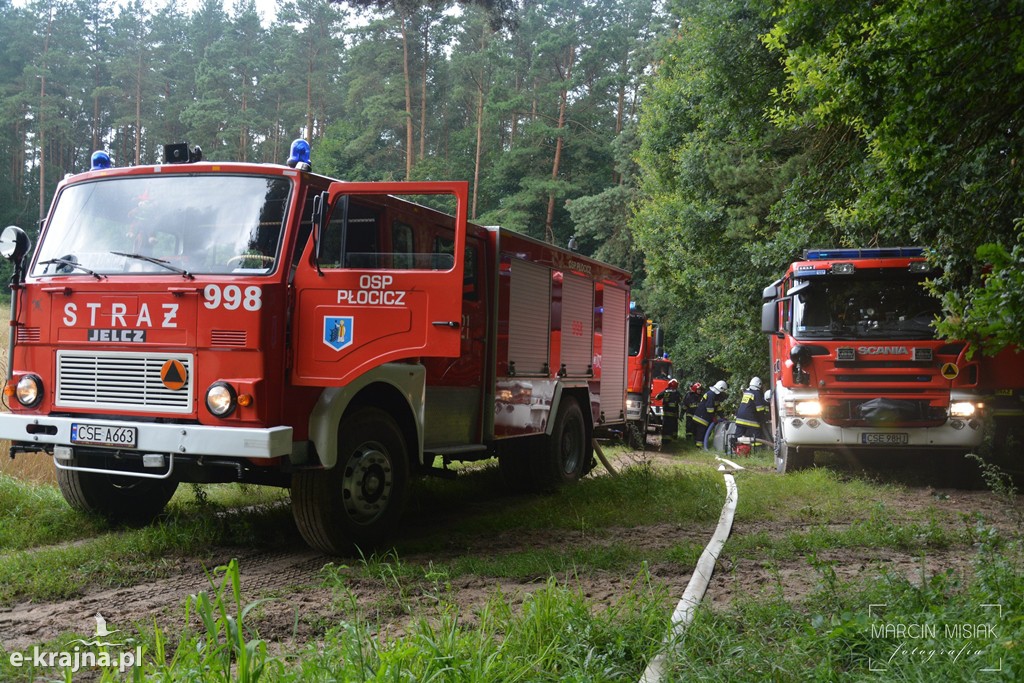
column 636, row 434
column 791, row 458
column 565, row 454
column 359, row 501
column 122, row 500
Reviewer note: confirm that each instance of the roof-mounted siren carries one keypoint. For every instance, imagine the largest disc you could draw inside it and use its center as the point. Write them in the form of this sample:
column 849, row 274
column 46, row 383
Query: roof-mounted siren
column 179, row 153
column 298, row 157
column 99, row 161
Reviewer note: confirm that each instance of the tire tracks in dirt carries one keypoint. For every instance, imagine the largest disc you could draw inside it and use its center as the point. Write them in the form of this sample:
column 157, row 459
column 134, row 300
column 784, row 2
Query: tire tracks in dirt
column 27, row 624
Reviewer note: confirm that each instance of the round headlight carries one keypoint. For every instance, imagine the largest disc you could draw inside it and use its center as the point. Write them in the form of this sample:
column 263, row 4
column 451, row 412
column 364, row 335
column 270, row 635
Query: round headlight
column 29, row 390
column 221, row 399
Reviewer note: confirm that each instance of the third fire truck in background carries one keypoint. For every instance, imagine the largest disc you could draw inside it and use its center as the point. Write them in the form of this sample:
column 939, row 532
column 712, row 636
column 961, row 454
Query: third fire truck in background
column 646, row 376
column 856, row 364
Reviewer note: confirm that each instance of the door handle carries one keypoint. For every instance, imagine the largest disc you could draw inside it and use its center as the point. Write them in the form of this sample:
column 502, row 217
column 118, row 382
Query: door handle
column 447, row 323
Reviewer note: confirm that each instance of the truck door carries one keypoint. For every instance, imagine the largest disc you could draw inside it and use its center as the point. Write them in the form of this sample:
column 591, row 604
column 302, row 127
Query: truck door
column 362, row 299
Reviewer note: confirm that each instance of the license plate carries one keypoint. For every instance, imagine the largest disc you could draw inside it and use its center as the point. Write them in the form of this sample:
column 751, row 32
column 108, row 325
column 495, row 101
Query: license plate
column 885, row 439
column 103, row 435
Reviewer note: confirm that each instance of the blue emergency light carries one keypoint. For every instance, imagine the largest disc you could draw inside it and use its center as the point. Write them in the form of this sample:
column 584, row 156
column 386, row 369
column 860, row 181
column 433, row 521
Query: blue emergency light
column 99, row 161
column 881, row 252
column 299, row 155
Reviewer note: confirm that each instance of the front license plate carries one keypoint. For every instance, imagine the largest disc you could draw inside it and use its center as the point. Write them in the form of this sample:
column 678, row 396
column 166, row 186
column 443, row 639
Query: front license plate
column 103, row 435
column 887, row 439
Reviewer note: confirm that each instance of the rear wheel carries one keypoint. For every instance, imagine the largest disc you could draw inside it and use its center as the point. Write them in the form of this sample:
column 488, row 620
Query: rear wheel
column 122, row 500
column 566, row 453
column 359, row 501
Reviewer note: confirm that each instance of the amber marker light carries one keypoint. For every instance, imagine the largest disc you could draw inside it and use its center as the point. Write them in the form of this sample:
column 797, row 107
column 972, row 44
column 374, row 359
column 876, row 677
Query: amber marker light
column 245, row 400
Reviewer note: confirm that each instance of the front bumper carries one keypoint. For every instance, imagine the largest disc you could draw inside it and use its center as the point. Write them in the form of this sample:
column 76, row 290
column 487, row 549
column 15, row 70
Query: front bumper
column 186, row 439
column 816, row 432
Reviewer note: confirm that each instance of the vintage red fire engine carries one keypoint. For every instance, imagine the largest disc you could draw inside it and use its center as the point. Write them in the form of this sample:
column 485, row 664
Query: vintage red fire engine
column 205, row 322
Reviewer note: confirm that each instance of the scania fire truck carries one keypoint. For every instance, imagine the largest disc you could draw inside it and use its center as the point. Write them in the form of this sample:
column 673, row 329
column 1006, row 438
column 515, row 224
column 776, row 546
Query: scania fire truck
column 855, row 362
column 199, row 321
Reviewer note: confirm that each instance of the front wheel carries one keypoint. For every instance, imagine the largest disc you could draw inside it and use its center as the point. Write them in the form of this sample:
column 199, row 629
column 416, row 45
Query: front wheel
column 791, row 458
column 120, row 499
column 359, row 501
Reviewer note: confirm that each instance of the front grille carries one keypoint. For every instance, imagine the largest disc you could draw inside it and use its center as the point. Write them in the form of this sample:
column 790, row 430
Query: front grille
column 126, row 381
column 912, row 412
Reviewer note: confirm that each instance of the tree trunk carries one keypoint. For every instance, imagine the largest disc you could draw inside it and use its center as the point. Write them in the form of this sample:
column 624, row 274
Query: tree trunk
column 563, row 100
column 42, row 119
column 138, row 109
column 409, row 153
column 423, row 93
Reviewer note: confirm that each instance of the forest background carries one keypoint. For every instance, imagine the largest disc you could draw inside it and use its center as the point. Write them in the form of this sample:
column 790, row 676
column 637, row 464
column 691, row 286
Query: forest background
column 702, row 144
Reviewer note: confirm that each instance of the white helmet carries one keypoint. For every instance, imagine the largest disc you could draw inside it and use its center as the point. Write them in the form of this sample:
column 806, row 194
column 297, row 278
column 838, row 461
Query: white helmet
column 768, row 396
column 755, row 384
column 720, row 387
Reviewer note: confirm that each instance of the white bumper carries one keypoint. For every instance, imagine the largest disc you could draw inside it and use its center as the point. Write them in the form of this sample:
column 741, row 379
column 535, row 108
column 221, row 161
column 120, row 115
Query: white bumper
column 800, row 432
column 237, row 442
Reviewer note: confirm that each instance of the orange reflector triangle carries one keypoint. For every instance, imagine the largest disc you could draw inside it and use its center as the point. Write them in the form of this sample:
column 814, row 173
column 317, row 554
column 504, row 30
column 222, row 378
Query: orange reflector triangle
column 173, row 374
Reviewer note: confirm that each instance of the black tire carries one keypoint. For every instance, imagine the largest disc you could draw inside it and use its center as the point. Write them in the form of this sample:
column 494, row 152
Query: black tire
column 566, row 453
column 121, row 500
column 636, row 435
column 358, row 502
column 791, row 458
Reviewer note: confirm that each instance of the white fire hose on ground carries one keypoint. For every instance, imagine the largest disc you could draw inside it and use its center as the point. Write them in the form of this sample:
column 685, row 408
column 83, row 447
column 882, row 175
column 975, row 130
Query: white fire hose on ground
column 698, row 585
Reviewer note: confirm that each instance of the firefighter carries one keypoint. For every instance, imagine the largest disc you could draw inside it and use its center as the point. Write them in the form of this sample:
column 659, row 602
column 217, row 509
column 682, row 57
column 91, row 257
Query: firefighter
column 671, row 400
column 752, row 412
column 690, row 401
column 707, row 410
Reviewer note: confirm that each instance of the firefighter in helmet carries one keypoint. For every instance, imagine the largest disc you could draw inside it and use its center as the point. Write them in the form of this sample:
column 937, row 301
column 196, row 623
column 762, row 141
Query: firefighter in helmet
column 690, row 401
column 706, row 411
column 752, row 412
column 671, row 400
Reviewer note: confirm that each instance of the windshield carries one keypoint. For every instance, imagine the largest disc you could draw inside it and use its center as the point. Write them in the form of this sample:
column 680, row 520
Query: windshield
column 870, row 306
column 186, row 224
column 661, row 369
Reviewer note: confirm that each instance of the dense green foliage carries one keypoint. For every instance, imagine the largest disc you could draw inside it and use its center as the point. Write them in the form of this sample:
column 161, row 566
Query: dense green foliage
column 526, row 108
column 765, row 127
column 778, row 125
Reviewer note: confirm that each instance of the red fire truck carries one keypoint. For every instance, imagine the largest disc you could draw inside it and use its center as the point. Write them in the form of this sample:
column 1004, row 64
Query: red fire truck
column 647, row 375
column 211, row 322
column 855, row 362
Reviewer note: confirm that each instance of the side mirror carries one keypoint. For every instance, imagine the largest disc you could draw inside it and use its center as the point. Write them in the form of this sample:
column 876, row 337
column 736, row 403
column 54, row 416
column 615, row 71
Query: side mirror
column 14, row 243
column 770, row 317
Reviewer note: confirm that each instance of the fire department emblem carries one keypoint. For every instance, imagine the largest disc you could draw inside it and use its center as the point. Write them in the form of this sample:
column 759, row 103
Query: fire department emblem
column 338, row 331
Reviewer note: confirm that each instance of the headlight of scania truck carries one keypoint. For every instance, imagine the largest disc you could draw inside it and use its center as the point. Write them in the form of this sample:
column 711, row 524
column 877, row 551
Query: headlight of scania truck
column 961, row 409
column 808, row 408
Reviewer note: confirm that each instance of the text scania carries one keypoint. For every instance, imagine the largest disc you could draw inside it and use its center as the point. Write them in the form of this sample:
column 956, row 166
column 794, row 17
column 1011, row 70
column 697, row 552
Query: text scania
column 167, row 316
column 881, row 350
column 373, row 291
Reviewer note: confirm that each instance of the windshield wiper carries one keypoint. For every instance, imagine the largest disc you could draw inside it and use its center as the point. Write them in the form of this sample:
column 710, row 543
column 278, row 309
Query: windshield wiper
column 160, row 262
column 71, row 264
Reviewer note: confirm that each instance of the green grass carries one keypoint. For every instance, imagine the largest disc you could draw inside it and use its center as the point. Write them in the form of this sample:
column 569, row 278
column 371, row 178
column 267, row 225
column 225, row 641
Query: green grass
column 552, row 632
column 39, row 561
